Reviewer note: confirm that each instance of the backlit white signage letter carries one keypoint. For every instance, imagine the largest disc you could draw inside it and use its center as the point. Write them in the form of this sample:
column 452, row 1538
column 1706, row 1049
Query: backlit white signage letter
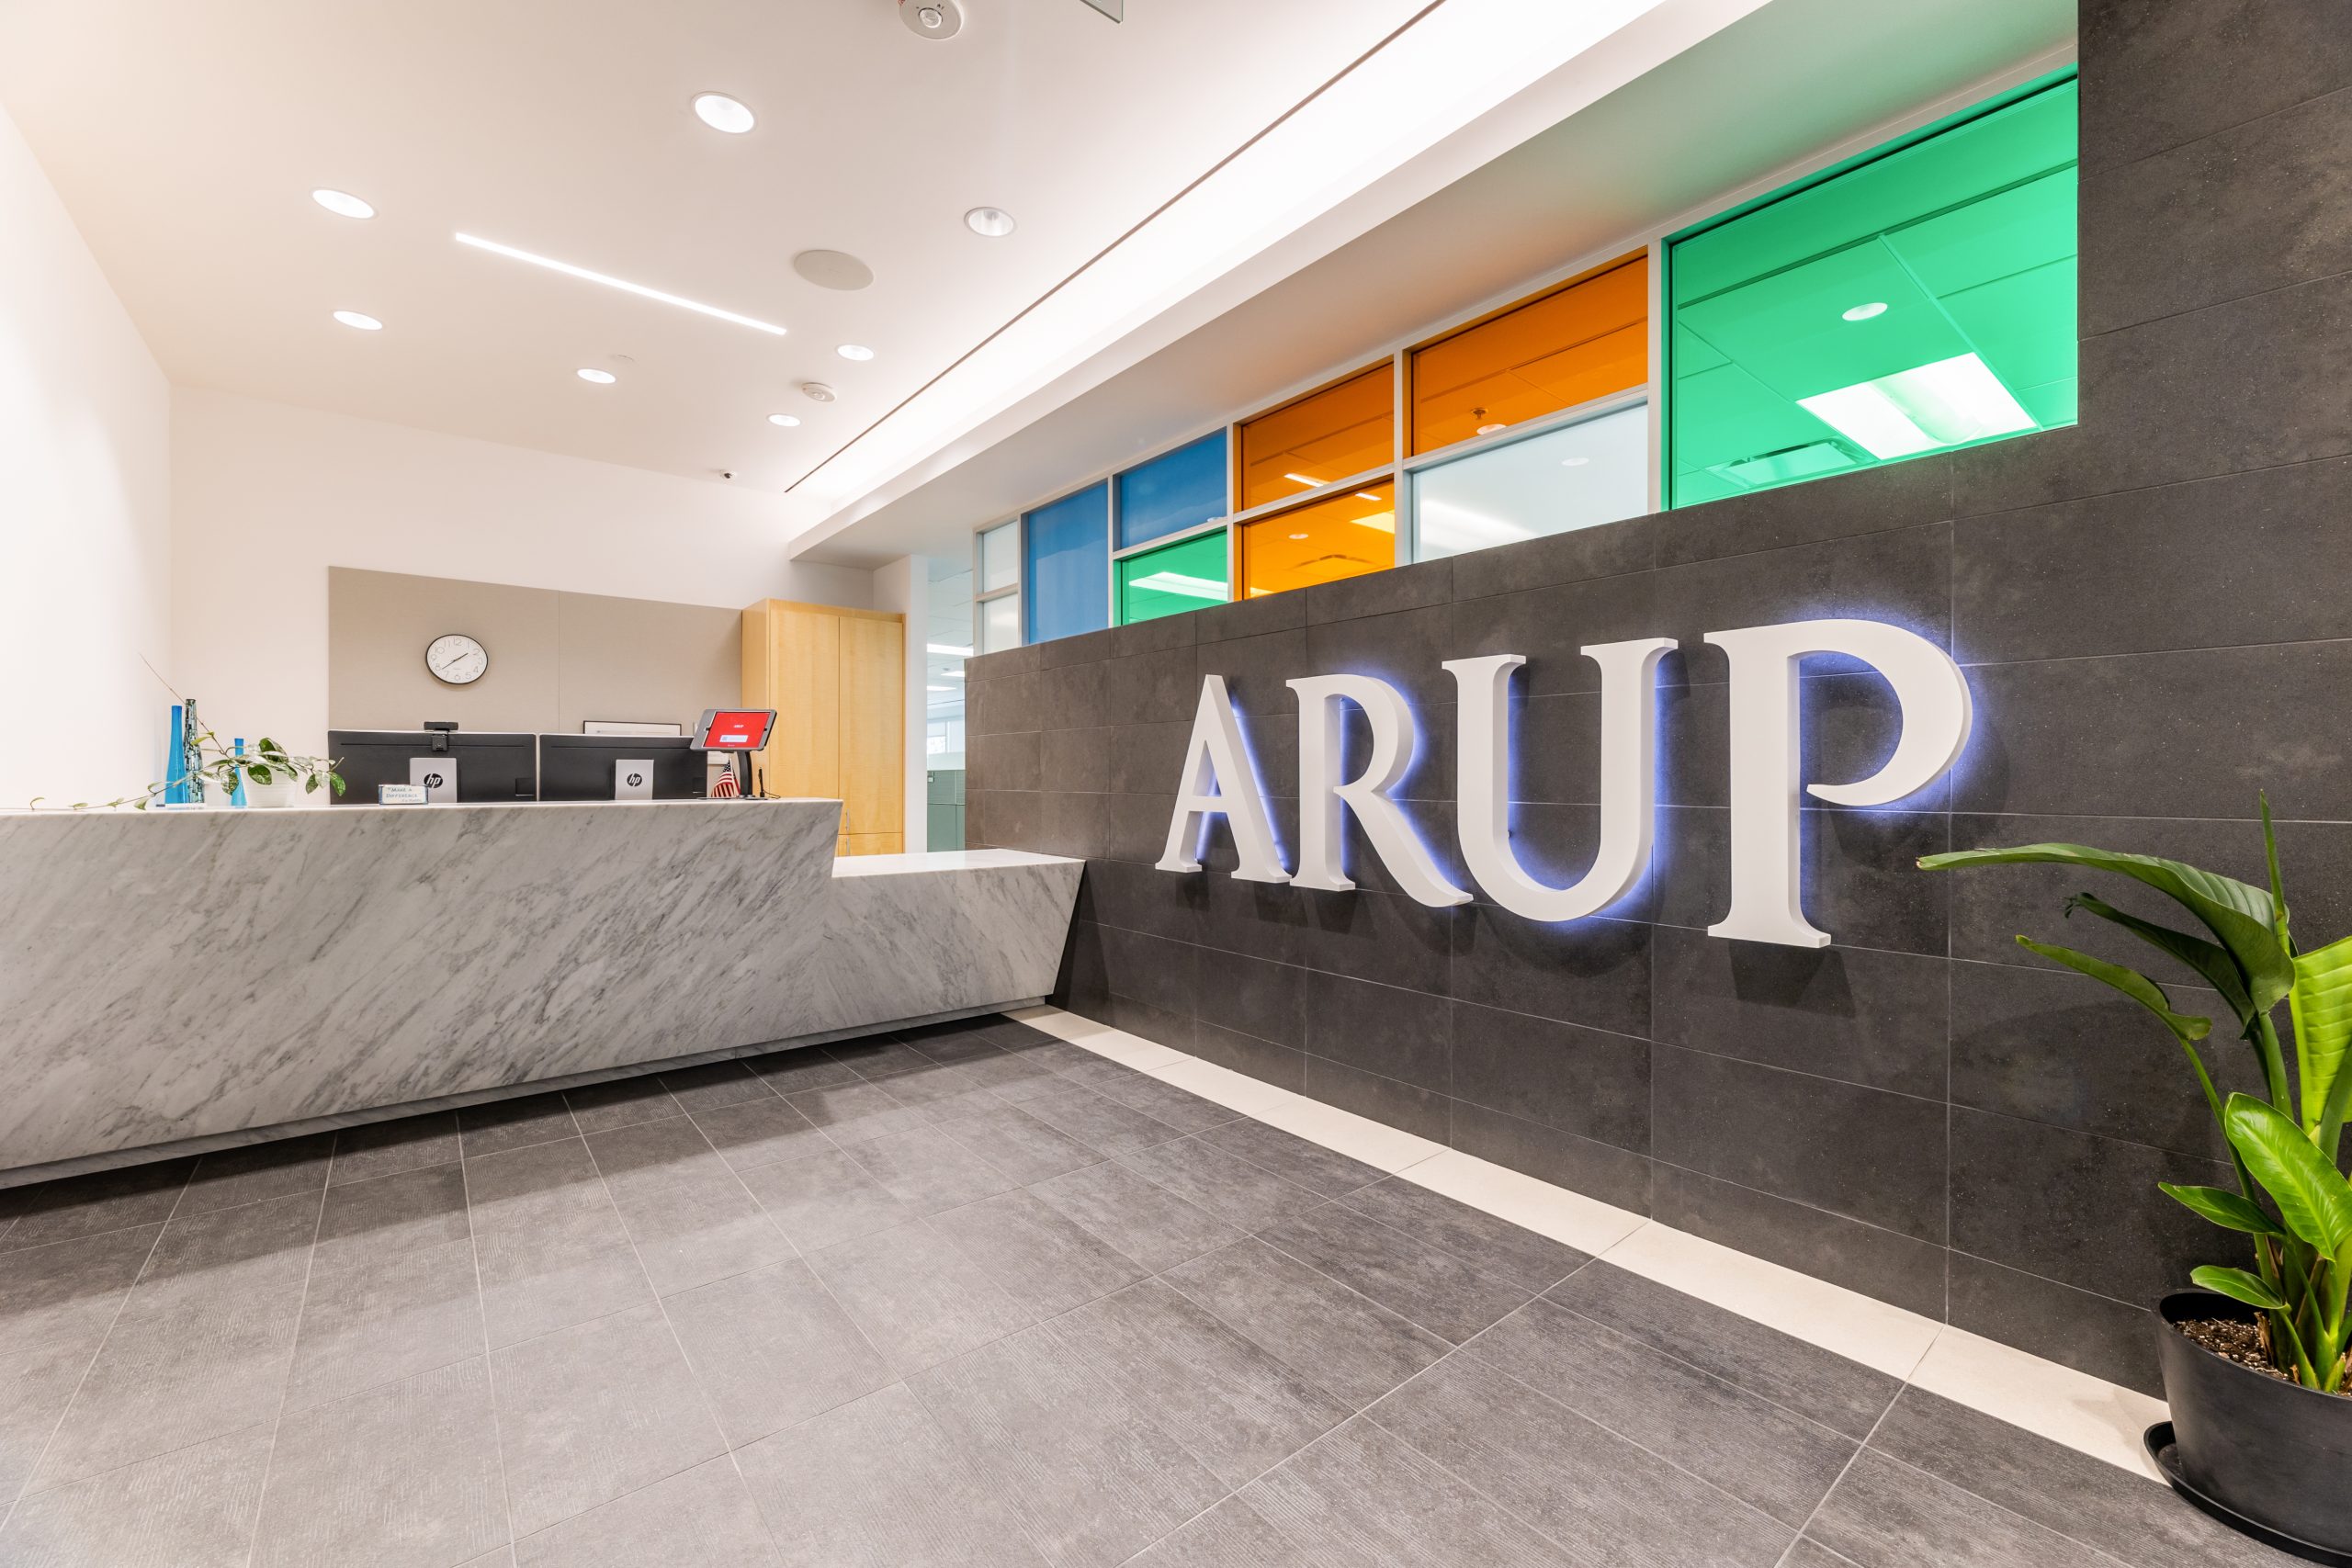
column 1218, row 778
column 1933, row 710
column 1323, row 799
column 1628, row 780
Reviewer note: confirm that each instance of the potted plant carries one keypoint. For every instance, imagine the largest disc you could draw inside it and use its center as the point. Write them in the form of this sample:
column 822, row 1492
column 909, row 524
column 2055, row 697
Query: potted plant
column 2257, row 1362
column 272, row 775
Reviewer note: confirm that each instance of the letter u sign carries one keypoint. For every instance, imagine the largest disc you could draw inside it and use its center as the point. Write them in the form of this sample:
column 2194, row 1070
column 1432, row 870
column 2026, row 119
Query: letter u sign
column 1766, row 703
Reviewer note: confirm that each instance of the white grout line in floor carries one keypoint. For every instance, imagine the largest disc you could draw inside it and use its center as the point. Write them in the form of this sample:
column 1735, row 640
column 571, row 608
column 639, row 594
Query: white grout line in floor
column 2072, row 1408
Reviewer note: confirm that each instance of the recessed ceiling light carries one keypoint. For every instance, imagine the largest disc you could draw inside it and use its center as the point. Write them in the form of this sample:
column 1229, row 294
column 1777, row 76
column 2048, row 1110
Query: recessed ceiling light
column 1298, row 535
column 857, row 351
column 1489, row 429
column 948, row 649
column 1573, row 462
column 601, row 378
column 988, row 222
column 622, row 284
column 343, row 204
column 939, row 688
column 786, row 420
column 1864, row 313
column 816, row 391
column 720, row 112
column 364, row 322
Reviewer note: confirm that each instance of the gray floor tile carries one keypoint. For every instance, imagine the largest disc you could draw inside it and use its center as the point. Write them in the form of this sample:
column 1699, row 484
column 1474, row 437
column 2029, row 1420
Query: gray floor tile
column 759, row 1131
column 807, row 1066
column 918, row 1299
column 1239, row 1191
column 56, row 1304
column 404, row 1474
column 714, row 1084
column 1045, row 1260
column 653, row 1152
column 202, row 1345
column 502, row 1558
column 1489, row 1244
column 194, row 1508
column 1367, row 1499
column 594, row 1411
column 514, row 1123
column 257, row 1172
column 393, row 1214
column 1886, row 1515
column 86, row 1205
column 1353, row 1347
column 850, row 1113
column 822, row 1199
column 954, row 1041
column 1095, row 1121
column 772, row 1348
column 697, row 1227
column 1804, row 1553
column 876, row 1484
column 1160, row 1101
column 1841, row 1394
column 1235, row 1407
column 1578, row 1483
column 1434, row 1289
column 1765, row 1455
column 1057, row 1056
column 1292, row 1158
column 927, row 1171
column 550, row 1244
column 699, row 1518
column 1231, row 1536
column 1092, row 1479
column 370, row 1318
column 1136, row 1216
column 1011, row 1075
column 387, row 1148
column 879, row 1057
column 623, row 1102
column 2131, row 1517
column 1017, row 1144
column 934, row 1083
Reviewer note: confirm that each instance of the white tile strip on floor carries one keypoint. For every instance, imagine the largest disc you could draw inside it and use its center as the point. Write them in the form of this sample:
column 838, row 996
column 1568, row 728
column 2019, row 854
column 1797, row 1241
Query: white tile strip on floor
column 2084, row 1412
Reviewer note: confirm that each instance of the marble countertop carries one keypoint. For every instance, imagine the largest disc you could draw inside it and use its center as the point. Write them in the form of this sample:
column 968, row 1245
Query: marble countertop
column 171, row 975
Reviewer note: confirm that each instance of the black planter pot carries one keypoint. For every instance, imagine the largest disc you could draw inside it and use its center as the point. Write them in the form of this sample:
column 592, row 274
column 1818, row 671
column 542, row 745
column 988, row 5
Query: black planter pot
column 2251, row 1449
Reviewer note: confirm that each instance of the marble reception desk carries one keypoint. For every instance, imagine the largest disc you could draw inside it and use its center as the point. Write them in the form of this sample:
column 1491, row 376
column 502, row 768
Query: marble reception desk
column 189, row 979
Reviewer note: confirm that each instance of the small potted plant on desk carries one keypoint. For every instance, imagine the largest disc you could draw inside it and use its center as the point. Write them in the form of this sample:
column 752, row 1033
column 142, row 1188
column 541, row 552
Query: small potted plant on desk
column 272, row 776
column 2255, row 1362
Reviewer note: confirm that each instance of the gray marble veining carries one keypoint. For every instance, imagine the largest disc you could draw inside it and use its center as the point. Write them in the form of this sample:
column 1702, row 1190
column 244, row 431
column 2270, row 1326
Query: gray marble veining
column 167, row 976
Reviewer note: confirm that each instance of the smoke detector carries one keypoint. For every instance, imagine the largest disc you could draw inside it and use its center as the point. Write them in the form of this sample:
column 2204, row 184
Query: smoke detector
column 932, row 18
column 817, row 391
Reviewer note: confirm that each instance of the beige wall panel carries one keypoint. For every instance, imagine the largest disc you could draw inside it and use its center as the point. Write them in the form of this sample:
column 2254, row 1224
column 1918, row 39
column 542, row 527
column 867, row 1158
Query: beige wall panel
column 378, row 624
column 644, row 659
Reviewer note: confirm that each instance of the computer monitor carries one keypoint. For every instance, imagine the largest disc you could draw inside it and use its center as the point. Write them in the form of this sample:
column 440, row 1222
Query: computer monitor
column 589, row 767
column 488, row 767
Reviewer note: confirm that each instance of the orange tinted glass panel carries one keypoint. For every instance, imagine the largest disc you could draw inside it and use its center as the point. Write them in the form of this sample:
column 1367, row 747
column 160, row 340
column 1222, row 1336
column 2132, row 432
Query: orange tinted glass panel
column 1344, row 536
column 1319, row 439
column 1585, row 342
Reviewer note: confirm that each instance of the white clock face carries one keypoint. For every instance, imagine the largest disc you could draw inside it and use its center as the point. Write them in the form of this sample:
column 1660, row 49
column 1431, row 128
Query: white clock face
column 456, row 658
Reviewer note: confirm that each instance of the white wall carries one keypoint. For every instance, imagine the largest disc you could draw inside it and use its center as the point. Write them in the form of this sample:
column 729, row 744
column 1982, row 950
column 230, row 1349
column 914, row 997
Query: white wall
column 84, row 513
column 266, row 497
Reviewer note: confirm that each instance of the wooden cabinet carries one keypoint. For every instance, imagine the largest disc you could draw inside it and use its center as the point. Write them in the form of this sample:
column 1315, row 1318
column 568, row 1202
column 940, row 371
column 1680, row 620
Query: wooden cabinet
column 837, row 680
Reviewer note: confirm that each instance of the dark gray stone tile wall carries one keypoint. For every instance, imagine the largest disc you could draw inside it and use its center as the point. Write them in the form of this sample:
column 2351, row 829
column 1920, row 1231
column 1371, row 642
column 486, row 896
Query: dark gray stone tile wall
column 2155, row 609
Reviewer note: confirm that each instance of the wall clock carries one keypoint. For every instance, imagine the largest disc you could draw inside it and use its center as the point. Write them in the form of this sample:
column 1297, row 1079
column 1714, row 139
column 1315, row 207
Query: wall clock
column 457, row 659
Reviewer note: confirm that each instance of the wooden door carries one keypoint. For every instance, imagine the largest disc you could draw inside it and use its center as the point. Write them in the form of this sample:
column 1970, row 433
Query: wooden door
column 794, row 653
column 872, row 705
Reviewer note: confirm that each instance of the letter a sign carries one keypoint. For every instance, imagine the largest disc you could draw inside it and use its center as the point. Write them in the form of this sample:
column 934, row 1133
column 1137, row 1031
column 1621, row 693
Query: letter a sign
column 1766, row 793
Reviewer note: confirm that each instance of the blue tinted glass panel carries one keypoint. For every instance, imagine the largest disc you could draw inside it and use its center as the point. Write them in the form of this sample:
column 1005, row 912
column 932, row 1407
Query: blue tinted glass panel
column 1182, row 490
column 1068, row 580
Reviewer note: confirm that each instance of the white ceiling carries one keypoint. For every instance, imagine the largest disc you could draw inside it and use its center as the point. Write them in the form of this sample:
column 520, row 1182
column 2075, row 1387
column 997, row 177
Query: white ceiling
column 1788, row 82
column 185, row 139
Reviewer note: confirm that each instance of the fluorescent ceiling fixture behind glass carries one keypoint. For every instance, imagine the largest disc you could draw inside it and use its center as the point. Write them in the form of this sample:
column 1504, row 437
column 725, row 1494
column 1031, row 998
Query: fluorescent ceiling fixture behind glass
column 1459, row 529
column 951, row 674
column 343, row 204
column 948, row 649
column 1181, row 583
column 1864, row 313
column 622, row 284
column 1923, row 408
column 1439, row 77
column 1308, row 480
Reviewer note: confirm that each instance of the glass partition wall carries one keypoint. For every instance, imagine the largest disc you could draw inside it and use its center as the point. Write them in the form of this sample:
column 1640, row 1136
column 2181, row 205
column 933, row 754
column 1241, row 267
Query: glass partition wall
column 1915, row 298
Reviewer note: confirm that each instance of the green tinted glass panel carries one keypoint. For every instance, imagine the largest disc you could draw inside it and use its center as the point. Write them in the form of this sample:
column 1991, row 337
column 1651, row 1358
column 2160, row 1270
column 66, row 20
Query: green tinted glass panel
column 1175, row 578
column 1917, row 299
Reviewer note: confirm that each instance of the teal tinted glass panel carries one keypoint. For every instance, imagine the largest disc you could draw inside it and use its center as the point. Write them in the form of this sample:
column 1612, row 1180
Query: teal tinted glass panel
column 1181, row 490
column 1911, row 302
column 1067, row 580
column 1172, row 579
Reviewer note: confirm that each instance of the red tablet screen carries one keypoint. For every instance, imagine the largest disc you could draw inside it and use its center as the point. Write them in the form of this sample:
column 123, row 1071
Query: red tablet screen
column 735, row 730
